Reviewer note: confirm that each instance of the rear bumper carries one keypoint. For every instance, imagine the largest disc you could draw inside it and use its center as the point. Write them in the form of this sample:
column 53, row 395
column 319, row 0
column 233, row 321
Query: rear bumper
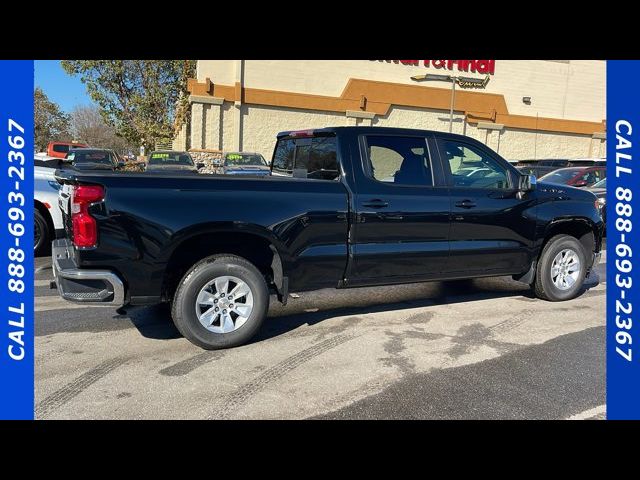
column 78, row 285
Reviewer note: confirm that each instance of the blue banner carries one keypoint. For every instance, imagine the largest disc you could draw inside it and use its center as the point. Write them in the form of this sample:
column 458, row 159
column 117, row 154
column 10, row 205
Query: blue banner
column 16, row 240
column 623, row 285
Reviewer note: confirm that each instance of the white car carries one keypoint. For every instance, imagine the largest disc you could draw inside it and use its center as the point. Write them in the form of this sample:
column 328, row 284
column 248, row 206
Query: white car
column 47, row 217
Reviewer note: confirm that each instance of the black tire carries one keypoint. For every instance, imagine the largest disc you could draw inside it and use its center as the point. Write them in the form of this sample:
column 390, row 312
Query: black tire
column 41, row 234
column 544, row 287
column 183, row 310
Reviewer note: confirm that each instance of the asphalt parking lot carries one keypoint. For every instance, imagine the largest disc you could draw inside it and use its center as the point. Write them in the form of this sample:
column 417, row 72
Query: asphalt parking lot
column 481, row 349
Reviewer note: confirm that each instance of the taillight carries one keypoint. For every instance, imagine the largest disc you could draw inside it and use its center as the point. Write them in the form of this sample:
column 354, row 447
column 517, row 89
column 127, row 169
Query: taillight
column 301, row 133
column 85, row 228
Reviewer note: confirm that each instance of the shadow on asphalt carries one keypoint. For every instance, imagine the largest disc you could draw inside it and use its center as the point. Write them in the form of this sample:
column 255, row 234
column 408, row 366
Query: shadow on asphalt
column 311, row 308
column 155, row 322
column 452, row 292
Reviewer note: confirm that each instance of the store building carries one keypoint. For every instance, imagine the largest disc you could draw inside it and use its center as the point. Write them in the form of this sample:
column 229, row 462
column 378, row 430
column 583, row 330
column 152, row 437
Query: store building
column 521, row 108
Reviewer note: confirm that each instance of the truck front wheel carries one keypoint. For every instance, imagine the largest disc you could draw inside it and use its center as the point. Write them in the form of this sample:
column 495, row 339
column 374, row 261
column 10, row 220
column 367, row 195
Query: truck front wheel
column 561, row 270
column 221, row 302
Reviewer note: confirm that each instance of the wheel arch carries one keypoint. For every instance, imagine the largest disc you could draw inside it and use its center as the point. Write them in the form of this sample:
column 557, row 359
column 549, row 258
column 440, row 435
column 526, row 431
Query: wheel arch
column 255, row 244
column 581, row 228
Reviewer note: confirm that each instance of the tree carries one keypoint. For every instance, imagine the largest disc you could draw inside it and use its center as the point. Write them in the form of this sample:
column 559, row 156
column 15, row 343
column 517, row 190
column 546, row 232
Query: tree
column 87, row 125
column 144, row 100
column 50, row 123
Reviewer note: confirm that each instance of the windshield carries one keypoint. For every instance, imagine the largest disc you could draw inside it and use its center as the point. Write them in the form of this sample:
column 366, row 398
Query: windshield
column 244, row 159
column 600, row 184
column 102, row 158
column 560, row 176
column 170, row 158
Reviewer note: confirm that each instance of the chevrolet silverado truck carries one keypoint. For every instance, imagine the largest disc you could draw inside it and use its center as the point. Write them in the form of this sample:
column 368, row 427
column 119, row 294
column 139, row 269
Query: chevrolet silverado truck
column 345, row 207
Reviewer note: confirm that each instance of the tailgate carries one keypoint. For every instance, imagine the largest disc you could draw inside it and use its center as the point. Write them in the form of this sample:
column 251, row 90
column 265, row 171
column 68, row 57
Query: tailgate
column 69, row 178
column 64, row 202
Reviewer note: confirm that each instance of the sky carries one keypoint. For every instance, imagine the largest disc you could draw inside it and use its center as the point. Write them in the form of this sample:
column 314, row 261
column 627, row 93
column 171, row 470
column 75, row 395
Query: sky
column 65, row 90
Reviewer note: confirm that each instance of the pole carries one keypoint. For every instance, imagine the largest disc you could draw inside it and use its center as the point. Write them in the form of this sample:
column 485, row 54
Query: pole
column 535, row 140
column 453, row 99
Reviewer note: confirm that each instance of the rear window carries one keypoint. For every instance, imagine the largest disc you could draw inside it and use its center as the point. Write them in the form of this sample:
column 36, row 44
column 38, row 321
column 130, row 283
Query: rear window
column 314, row 158
column 102, row 158
column 170, row 158
column 560, row 176
column 61, row 148
column 244, row 160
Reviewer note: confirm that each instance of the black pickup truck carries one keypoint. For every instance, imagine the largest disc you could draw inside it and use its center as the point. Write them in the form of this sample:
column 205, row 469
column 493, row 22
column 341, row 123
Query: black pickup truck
column 344, row 207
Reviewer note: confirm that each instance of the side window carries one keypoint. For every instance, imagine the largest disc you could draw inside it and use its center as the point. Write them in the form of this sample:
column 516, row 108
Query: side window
column 61, row 148
column 472, row 168
column 323, row 160
column 315, row 158
column 399, row 160
column 283, row 156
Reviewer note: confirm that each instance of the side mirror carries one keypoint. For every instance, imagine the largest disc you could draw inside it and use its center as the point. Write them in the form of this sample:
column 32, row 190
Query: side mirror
column 527, row 183
column 581, row 183
column 200, row 165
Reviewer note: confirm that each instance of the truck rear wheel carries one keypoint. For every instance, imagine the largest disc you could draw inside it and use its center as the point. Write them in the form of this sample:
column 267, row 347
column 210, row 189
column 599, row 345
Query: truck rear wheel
column 41, row 234
column 561, row 270
column 221, row 302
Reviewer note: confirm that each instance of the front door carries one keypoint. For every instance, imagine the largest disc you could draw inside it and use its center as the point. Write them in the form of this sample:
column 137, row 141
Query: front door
column 402, row 211
column 492, row 227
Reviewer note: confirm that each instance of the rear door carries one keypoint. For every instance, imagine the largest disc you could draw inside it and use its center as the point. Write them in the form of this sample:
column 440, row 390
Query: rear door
column 491, row 227
column 402, row 207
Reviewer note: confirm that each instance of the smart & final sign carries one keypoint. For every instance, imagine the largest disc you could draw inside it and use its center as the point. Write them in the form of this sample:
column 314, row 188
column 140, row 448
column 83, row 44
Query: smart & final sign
column 485, row 67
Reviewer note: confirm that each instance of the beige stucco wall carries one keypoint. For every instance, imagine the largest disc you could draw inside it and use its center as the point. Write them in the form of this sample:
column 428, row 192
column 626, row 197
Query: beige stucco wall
column 574, row 91
column 262, row 124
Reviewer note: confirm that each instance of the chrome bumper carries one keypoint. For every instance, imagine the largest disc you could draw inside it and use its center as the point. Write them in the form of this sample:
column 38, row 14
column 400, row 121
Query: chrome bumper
column 99, row 287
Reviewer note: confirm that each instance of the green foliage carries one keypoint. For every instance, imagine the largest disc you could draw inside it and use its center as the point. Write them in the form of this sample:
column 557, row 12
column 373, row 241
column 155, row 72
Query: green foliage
column 50, row 123
column 144, row 100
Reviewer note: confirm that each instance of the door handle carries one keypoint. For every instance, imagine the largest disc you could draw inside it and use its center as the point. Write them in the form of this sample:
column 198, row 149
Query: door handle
column 466, row 204
column 376, row 203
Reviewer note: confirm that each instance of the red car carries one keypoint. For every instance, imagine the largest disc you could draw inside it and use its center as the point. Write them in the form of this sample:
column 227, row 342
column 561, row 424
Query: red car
column 576, row 176
column 60, row 149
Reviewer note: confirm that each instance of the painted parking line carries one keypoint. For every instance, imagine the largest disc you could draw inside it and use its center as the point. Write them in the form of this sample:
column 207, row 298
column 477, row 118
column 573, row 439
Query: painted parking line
column 598, row 412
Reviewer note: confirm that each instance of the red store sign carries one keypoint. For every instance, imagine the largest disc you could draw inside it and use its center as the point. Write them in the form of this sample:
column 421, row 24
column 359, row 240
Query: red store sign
column 485, row 67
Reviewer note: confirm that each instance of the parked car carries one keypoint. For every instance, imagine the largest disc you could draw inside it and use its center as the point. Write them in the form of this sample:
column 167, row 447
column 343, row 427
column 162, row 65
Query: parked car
column 538, row 171
column 171, row 162
column 542, row 167
column 93, row 159
column 576, row 176
column 600, row 191
column 47, row 217
column 391, row 209
column 244, row 163
column 61, row 149
column 44, row 160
